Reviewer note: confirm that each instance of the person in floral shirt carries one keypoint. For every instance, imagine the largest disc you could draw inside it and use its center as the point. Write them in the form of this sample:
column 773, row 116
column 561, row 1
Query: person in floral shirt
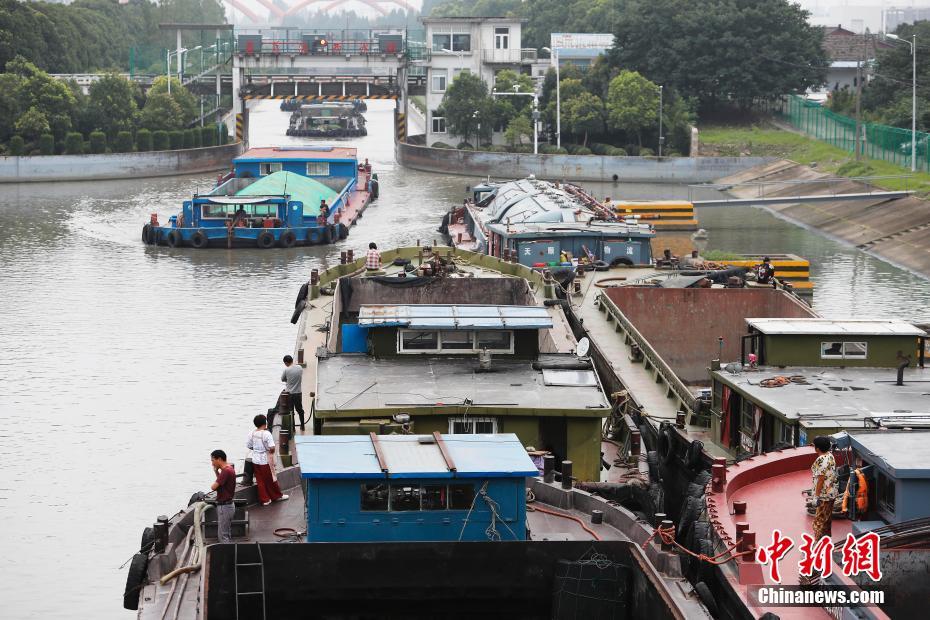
column 823, row 472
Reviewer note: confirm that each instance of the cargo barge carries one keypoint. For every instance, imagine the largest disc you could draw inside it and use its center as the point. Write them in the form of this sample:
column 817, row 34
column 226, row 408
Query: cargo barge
column 274, row 197
column 330, row 119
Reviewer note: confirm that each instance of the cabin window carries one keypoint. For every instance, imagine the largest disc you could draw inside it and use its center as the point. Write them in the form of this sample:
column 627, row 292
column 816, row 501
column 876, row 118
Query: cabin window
column 224, row 211
column 317, row 168
column 440, row 76
column 844, row 350
column 270, row 167
column 375, row 497
column 884, row 492
column 454, row 341
column 439, row 124
column 472, row 426
column 416, row 497
column 787, row 434
column 747, row 420
column 501, row 38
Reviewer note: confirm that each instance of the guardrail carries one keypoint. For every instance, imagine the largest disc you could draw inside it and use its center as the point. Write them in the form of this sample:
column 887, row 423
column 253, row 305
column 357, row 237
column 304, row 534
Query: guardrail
column 507, row 56
column 668, row 376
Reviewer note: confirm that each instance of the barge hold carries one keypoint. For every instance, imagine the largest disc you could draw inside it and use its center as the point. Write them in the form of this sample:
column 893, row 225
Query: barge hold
column 330, row 119
column 417, row 493
column 274, row 197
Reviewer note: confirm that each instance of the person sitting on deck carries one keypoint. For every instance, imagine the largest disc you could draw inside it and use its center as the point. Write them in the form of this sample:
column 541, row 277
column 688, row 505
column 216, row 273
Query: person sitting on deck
column 373, row 258
column 765, row 272
column 324, row 212
column 239, row 219
column 261, row 443
column 692, row 262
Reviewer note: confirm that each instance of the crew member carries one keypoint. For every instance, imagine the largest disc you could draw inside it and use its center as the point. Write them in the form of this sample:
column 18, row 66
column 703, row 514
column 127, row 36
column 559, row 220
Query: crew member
column 292, row 377
column 823, row 472
column 692, row 262
column 261, row 443
column 323, row 218
column 240, row 217
column 765, row 272
column 373, row 258
column 225, row 487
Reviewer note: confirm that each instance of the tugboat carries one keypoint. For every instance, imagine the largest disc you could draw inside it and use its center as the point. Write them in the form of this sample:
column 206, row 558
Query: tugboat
column 274, row 197
column 330, row 119
column 418, row 494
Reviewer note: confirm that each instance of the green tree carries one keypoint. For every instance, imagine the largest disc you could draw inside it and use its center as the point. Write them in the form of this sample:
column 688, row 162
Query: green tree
column 160, row 140
column 187, row 103
column 519, row 127
column 123, row 143
column 32, row 123
column 208, row 135
column 143, row 140
column 632, row 103
column 17, row 145
column 583, row 114
column 10, row 103
column 98, row 142
column 50, row 96
column 161, row 111
column 467, row 106
column 112, row 105
column 47, row 144
column 176, row 139
column 189, row 139
column 721, row 50
column 74, row 143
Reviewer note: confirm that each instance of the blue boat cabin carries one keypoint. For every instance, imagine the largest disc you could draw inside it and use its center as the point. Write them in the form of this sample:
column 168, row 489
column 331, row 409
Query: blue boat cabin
column 414, row 487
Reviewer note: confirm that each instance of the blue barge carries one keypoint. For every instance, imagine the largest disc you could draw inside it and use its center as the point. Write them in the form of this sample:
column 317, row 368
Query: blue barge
column 274, row 197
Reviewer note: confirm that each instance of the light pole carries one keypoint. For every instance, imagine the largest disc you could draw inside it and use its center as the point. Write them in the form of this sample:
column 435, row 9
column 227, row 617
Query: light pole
column 535, row 96
column 168, row 56
column 478, row 132
column 661, row 137
column 913, row 45
column 558, row 98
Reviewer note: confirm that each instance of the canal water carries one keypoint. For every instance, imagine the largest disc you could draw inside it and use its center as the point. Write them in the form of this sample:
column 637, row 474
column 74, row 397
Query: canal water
column 122, row 366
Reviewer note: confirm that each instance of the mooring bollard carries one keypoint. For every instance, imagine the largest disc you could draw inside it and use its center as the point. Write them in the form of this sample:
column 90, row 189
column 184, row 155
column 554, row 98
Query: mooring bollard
column 161, row 533
column 350, row 256
column 666, row 525
column 566, row 474
column 548, row 468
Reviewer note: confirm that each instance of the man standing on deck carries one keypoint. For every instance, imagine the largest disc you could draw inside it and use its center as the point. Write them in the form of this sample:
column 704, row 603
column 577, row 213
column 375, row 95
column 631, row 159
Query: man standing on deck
column 823, row 472
column 292, row 377
column 373, row 259
column 225, row 487
column 261, row 443
column 765, row 272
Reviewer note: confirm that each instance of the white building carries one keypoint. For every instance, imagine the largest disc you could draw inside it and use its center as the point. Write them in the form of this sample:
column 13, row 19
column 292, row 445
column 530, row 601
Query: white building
column 479, row 45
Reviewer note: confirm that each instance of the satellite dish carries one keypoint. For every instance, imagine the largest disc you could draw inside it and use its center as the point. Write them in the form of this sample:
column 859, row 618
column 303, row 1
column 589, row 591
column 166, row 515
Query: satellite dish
column 583, row 345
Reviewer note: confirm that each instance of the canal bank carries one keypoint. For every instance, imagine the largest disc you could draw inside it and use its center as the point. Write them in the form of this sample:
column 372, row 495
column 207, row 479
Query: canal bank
column 598, row 168
column 109, row 166
column 896, row 230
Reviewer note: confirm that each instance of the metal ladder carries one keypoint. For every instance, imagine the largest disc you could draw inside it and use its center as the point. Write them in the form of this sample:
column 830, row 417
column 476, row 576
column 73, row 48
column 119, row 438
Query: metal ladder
column 247, row 572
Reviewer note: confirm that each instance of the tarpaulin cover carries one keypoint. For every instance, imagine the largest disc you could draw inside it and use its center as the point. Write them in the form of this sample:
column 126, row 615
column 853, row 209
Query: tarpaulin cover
column 308, row 191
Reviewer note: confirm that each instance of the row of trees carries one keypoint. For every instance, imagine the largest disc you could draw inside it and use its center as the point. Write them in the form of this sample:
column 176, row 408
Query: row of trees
column 37, row 110
column 615, row 107
column 89, row 35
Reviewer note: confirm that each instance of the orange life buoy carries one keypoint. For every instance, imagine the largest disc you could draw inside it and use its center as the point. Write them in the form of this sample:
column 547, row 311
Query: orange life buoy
column 862, row 493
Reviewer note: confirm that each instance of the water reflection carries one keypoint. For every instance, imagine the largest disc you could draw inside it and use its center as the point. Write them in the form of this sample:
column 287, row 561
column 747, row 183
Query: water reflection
column 123, row 365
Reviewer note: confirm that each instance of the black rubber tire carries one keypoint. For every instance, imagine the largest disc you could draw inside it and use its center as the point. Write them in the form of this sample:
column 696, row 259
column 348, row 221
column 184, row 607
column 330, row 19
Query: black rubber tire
column 288, row 239
column 343, row 230
column 174, row 239
column 693, row 457
column 700, row 530
column 375, row 190
column 658, row 497
column 265, row 240
column 690, row 511
column 705, row 569
column 601, row 266
column 695, row 490
column 626, row 262
column 704, row 593
column 147, row 234
column 148, row 538
column 400, row 262
column 134, row 581
column 298, row 310
column 652, row 459
column 327, row 235
column 302, row 293
column 200, row 240
column 665, row 447
column 702, row 478
column 196, row 497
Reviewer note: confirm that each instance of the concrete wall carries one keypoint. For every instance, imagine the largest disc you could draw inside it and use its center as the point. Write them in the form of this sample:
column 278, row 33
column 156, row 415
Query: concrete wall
column 46, row 168
column 683, row 325
column 573, row 167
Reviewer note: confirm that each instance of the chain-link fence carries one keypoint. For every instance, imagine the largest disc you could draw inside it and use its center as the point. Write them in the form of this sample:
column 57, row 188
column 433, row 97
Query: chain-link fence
column 891, row 144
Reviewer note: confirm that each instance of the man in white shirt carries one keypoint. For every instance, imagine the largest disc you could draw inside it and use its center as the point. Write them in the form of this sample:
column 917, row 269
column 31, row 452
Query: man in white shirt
column 292, row 377
column 261, row 443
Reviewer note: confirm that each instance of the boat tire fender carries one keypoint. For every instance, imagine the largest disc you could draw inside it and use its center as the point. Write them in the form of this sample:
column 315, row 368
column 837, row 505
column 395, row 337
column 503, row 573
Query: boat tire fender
column 695, row 490
column 601, row 266
column 174, row 238
column 665, row 445
column 327, row 235
column 196, row 497
column 693, row 455
column 626, row 262
column 690, row 512
column 657, row 494
column 298, row 310
column 265, row 240
column 652, row 460
column 200, row 239
column 343, row 230
column 302, row 293
column 148, row 539
column 706, row 597
column 147, row 234
column 401, row 262
column 135, row 580
column 375, row 190
column 288, row 239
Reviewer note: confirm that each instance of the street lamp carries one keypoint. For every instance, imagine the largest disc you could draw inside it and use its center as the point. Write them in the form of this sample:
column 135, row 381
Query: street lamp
column 535, row 95
column 558, row 98
column 661, row 137
column 168, row 55
column 913, row 45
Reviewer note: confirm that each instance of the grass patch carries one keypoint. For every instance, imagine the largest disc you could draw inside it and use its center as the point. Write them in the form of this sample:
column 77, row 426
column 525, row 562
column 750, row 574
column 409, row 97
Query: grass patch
column 713, row 255
column 769, row 141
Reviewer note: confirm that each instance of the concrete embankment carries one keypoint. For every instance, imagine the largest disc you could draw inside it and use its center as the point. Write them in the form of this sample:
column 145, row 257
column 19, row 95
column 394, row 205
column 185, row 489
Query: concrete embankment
column 896, row 230
column 573, row 167
column 30, row 169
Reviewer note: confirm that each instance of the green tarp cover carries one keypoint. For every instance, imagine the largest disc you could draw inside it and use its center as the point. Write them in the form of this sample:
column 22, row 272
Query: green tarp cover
column 308, row 191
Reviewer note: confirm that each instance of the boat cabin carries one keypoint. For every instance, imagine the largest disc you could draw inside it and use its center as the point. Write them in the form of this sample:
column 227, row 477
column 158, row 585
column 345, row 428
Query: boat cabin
column 815, row 376
column 552, row 245
column 319, row 162
column 439, row 487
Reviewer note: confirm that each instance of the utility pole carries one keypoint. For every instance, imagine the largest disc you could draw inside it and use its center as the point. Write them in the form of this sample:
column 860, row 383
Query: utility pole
column 661, row 137
column 858, row 98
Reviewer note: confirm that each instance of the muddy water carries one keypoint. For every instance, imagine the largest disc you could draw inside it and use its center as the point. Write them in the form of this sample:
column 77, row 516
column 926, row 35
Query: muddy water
column 122, row 366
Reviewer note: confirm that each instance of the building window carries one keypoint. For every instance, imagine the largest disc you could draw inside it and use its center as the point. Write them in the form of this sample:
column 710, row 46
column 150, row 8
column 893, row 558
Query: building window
column 317, row 168
column 440, row 76
column 442, row 42
column 884, row 492
column 454, row 341
column 416, row 497
column 268, row 168
column 461, row 43
column 472, row 426
column 844, row 350
column 501, row 38
column 439, row 124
